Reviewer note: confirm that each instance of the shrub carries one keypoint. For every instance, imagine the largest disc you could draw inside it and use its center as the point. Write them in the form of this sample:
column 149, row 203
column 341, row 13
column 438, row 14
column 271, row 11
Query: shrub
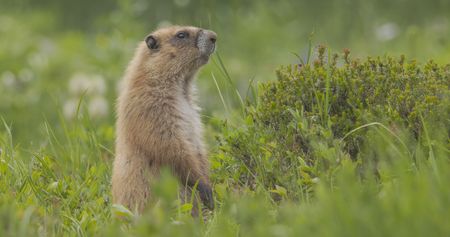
column 314, row 116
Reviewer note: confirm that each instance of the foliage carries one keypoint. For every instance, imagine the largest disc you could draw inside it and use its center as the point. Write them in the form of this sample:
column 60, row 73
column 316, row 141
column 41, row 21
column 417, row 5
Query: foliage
column 302, row 125
column 63, row 187
column 64, row 191
column 45, row 45
column 309, row 158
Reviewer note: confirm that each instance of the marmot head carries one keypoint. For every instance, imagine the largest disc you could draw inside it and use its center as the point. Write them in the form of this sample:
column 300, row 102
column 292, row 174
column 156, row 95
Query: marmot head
column 178, row 49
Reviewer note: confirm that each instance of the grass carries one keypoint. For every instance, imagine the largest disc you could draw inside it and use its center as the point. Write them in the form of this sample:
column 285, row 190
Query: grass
column 64, row 191
column 55, row 170
column 63, row 188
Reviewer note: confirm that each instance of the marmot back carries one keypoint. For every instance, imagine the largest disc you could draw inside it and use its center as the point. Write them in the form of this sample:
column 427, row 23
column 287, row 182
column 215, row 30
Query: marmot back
column 158, row 122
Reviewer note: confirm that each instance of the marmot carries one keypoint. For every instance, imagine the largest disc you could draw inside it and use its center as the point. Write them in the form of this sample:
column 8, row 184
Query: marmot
column 158, row 122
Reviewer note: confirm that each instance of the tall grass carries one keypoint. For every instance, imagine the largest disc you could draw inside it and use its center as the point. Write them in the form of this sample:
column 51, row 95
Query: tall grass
column 50, row 196
column 55, row 172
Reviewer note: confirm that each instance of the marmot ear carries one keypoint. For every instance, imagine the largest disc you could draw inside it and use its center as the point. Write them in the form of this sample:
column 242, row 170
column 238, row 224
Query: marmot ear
column 151, row 41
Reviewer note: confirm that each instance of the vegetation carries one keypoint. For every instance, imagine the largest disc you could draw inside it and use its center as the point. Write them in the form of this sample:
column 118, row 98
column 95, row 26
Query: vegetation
column 339, row 145
column 292, row 168
column 315, row 116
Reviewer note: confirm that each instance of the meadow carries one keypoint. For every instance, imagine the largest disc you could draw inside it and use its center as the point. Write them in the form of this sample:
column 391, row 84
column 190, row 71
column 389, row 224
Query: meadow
column 305, row 137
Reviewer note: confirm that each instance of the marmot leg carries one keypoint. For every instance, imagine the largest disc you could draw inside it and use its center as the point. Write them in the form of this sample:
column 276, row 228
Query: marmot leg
column 130, row 182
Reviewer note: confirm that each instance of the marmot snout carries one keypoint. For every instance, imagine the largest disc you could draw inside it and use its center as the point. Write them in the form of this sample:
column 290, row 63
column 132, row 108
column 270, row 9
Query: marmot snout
column 206, row 41
column 158, row 121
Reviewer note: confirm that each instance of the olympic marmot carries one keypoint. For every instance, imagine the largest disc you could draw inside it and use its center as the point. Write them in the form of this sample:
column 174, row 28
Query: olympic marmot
column 158, row 122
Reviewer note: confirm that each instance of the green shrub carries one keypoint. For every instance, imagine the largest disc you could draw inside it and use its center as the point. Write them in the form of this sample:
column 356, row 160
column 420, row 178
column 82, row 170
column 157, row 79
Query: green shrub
column 316, row 115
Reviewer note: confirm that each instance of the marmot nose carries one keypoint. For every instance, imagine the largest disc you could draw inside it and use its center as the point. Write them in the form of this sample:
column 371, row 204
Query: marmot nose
column 206, row 41
column 212, row 36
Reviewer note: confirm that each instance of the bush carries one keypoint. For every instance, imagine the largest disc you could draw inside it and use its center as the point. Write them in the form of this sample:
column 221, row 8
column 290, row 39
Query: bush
column 316, row 115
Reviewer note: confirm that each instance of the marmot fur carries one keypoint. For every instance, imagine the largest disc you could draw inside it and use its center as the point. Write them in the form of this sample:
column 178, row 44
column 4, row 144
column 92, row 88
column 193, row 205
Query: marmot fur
column 158, row 123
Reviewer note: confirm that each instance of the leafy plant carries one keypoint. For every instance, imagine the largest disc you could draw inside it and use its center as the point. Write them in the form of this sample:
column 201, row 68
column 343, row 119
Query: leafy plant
column 317, row 115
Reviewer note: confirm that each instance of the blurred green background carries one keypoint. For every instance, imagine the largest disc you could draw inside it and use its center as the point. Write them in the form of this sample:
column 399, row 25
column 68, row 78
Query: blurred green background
column 54, row 54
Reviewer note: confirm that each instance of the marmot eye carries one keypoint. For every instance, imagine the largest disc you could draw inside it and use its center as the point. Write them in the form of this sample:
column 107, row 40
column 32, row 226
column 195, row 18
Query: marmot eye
column 182, row 35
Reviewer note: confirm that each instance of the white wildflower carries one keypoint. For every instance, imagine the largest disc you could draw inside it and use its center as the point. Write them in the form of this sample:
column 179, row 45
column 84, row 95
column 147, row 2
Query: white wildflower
column 79, row 84
column 315, row 180
column 47, row 46
column 38, row 60
column 8, row 79
column 386, row 32
column 70, row 108
column 98, row 107
column 98, row 85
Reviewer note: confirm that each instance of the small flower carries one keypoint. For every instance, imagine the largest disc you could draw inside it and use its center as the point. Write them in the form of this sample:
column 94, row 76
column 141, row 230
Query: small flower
column 38, row 60
column 90, row 85
column 386, row 31
column 315, row 180
column 79, row 84
column 98, row 107
column 70, row 108
column 47, row 46
column 8, row 79
column 98, row 84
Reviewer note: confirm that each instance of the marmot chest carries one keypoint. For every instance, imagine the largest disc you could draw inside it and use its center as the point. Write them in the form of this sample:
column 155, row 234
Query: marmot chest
column 190, row 118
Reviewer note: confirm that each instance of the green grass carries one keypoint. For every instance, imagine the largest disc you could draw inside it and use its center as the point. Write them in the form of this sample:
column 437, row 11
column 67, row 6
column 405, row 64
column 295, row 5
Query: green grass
column 56, row 153
column 64, row 190
column 397, row 186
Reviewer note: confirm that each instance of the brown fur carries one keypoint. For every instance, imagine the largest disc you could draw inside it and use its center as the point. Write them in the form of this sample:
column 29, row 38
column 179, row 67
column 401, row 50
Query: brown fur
column 158, row 122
